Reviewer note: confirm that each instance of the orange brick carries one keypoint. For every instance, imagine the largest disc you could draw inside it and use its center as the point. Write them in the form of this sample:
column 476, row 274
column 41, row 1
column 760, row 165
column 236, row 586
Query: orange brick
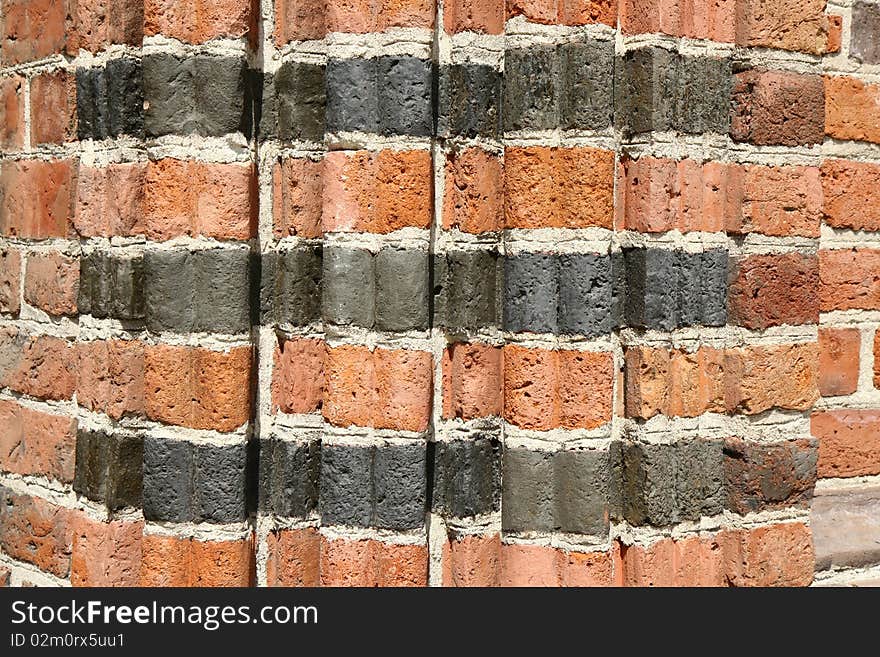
column 852, row 194
column 110, row 200
column 558, row 187
column 538, row 565
column 474, row 16
column 299, row 20
column 586, row 382
column 198, row 388
column 36, row 531
column 53, row 108
column 36, row 443
column 297, row 192
column 835, row 33
column 35, row 198
column 51, row 283
column 377, row 192
column 647, row 377
column 530, row 387
column 350, row 386
column 173, row 561
column 852, row 109
column 472, row 381
column 93, row 24
column 298, row 375
column 787, row 24
column 774, row 555
column 372, row 563
column 40, row 366
column 472, row 560
column 849, row 442
column 31, row 29
column 691, row 561
column 105, row 553
column 779, row 376
column 774, row 289
column 363, row 16
column 110, row 377
column 689, row 18
column 838, row 361
column 403, row 389
column 847, row 279
column 293, row 557
column 11, row 113
column 565, row 12
column 197, row 198
column 197, row 21
column 781, row 201
column 473, row 198
column 10, row 277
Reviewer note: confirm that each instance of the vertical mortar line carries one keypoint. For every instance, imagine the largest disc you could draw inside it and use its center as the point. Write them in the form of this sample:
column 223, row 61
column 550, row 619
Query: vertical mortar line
column 867, row 360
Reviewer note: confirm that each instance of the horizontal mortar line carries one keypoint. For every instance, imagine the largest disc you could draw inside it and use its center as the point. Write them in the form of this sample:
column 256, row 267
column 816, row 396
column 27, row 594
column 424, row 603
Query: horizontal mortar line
column 646, row 535
column 698, row 241
column 141, row 425
column 769, row 427
column 413, row 238
column 337, row 336
column 592, row 239
column 371, row 141
column 484, row 523
column 412, row 41
column 389, row 536
column 206, row 532
column 833, row 485
column 842, row 238
column 560, row 138
column 220, row 46
column 849, row 317
column 314, row 331
column 215, row 342
column 716, row 147
column 520, row 29
column 845, row 576
column 233, row 148
column 863, row 400
column 65, row 408
column 355, row 435
column 456, row 143
column 53, row 491
column 69, row 246
column 23, row 571
column 113, row 150
column 294, row 428
column 64, row 329
column 561, row 342
column 267, row 523
column 865, row 72
column 557, row 439
column 558, row 540
column 82, row 59
column 271, row 149
column 854, row 151
column 448, row 429
column 138, row 244
column 691, row 338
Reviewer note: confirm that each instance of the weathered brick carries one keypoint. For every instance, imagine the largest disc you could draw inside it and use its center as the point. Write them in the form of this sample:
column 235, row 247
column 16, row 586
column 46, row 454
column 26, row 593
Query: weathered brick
column 37, row 365
column 472, row 380
column 474, row 16
column 12, row 121
column 288, row 476
column 294, row 102
column 469, row 99
column 297, row 197
column 294, row 557
column 299, row 20
column 105, row 553
column 467, row 476
column 852, row 109
column 298, row 375
column 566, row 12
column 788, row 24
column 172, row 561
column 51, row 283
column 36, row 531
column 689, row 561
column 10, row 280
column 472, row 560
column 849, row 442
column 110, row 377
column 539, row 565
column 36, row 443
column 715, row 21
column 31, row 29
column 109, row 467
column 197, row 21
column 93, row 24
column 36, row 198
column 111, row 284
column 109, row 201
column 348, row 562
column 838, row 361
column 53, row 108
column 772, row 555
column 291, row 286
column 110, row 100
column 851, row 194
column 847, row 280
column 771, row 290
column 401, row 301
column 865, row 37
column 473, row 198
column 468, row 288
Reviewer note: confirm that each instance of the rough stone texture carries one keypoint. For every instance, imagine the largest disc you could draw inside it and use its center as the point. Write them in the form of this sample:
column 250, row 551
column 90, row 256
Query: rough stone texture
column 852, row 109
column 865, row 40
column 36, row 443
column 846, row 527
column 849, row 442
column 109, row 468
column 770, row 290
column 473, row 201
column 288, row 475
column 467, row 477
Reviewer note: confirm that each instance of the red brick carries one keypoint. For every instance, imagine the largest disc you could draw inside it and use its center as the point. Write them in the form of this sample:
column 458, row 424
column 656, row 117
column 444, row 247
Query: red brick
column 852, row 194
column 547, row 389
column 196, row 198
column 838, row 361
column 10, row 278
column 378, row 15
column 198, row 388
column 780, row 201
column 110, row 377
column 377, row 192
column 298, row 375
column 105, row 553
column 779, row 376
column 787, row 24
column 350, row 386
column 774, row 289
column 835, row 34
column 53, row 108
column 94, row 24
column 110, row 200
column 474, row 16
column 372, row 563
column 51, row 282
column 11, row 113
column 299, row 20
column 538, row 565
column 472, row 381
column 35, row 198
column 36, row 531
column 848, row 279
column 849, row 442
column 472, row 560
column 36, row 443
column 565, row 12
column 689, row 18
column 558, row 187
column 778, row 108
column 173, row 561
column 294, row 557
column 31, row 29
column 198, row 21
column 40, row 366
column 690, row 561
column 297, row 197
column 473, row 198
column 852, row 109
column 774, row 555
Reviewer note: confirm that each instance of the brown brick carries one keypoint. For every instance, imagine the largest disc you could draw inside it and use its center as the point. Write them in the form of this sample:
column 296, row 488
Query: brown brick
column 472, row 381
column 299, row 20
column 298, row 375
column 40, row 366
column 838, row 361
column 294, row 557
column 473, row 198
column 352, row 562
column 848, row 280
column 774, row 289
column 110, row 200
column 105, row 553
column 297, row 197
column 36, row 531
column 849, row 442
column 35, row 198
column 36, row 443
column 10, row 278
column 852, row 109
column 51, row 282
column 110, row 377
column 53, row 108
column 11, row 113
column 94, row 24
column 852, row 194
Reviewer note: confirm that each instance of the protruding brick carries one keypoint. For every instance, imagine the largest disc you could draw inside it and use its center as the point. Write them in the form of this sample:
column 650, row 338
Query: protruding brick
column 838, row 361
column 346, row 562
column 849, row 442
column 105, row 553
column 172, row 561
column 36, row 443
column 771, row 290
column 51, row 283
column 852, row 109
column 847, row 280
column 294, row 557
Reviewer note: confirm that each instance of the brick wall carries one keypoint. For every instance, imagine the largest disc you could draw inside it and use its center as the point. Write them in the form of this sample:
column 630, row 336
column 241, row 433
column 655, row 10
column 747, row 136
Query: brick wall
column 320, row 292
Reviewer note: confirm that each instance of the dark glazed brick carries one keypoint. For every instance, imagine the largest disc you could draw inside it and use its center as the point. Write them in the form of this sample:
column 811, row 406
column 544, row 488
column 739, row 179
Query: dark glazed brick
column 220, row 84
column 865, row 40
column 91, row 121
column 467, row 477
column 469, row 100
column 111, row 286
column 531, row 292
column 352, row 95
column 348, row 287
column 299, row 101
column 689, row 282
column 109, row 468
column 169, row 290
column 585, row 294
column 401, row 289
column 169, row 95
column 110, row 100
column 222, row 290
column 713, row 280
column 346, row 485
column 289, row 477
column 399, row 486
column 527, row 490
column 703, row 95
column 466, row 286
column 168, row 480
column 290, row 286
column 406, row 96
column 587, row 76
column 531, row 96
column 646, row 82
column 581, row 481
column 769, row 476
column 219, row 483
